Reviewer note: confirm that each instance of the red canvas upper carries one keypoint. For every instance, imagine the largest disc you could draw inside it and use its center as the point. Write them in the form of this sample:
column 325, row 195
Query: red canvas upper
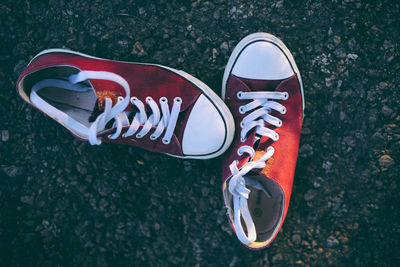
column 144, row 80
column 281, row 166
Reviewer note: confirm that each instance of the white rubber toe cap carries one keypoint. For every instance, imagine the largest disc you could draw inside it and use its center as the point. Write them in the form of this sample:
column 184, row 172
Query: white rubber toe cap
column 205, row 130
column 262, row 60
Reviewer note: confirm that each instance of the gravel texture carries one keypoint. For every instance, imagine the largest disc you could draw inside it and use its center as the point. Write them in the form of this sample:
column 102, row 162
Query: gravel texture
column 66, row 203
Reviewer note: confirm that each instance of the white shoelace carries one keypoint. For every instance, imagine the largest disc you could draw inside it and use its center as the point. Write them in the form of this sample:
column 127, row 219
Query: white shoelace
column 262, row 105
column 117, row 112
column 167, row 121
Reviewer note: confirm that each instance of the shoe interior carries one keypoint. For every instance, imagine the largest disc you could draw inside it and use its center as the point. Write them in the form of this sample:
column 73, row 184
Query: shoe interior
column 76, row 101
column 77, row 105
column 265, row 204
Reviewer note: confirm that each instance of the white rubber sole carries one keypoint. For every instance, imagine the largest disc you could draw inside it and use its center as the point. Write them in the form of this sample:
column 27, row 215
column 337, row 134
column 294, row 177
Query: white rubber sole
column 223, row 109
column 260, row 36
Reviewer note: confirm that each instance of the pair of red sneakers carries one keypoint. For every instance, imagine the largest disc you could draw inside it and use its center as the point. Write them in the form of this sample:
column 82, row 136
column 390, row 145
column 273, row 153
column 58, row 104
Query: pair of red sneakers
column 256, row 128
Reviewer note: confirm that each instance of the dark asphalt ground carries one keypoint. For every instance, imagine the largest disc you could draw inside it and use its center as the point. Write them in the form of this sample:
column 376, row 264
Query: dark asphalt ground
column 66, row 203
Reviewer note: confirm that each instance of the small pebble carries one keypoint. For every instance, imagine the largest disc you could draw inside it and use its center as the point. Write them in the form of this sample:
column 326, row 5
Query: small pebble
column 386, row 161
column 5, row 135
column 352, row 56
column 332, row 242
column 11, row 171
column 296, row 239
column 187, row 166
column 385, row 110
column 277, row 258
column 27, row 200
column 224, row 47
column 309, row 195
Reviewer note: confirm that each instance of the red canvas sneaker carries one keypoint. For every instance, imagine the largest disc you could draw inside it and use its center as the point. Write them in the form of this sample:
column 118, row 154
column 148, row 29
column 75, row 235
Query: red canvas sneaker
column 262, row 87
column 150, row 106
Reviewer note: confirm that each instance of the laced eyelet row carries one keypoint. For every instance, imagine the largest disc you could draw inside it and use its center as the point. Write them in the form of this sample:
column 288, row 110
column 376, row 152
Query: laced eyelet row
column 239, row 96
column 242, row 111
column 147, row 100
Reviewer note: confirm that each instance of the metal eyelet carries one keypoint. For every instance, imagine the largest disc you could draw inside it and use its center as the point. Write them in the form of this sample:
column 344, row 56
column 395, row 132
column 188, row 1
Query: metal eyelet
column 163, row 99
column 133, row 99
column 279, row 123
column 241, row 111
column 284, row 110
column 239, row 153
column 166, row 142
column 239, row 94
column 242, row 139
column 241, row 124
column 276, row 137
column 148, row 99
column 177, row 99
column 152, row 137
column 286, row 95
column 139, row 136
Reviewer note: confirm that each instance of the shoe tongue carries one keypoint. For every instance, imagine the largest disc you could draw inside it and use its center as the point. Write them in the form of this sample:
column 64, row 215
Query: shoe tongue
column 101, row 97
column 262, row 143
column 253, row 181
column 262, row 85
column 107, row 89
